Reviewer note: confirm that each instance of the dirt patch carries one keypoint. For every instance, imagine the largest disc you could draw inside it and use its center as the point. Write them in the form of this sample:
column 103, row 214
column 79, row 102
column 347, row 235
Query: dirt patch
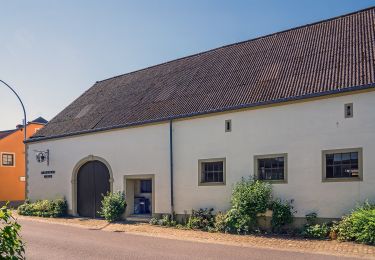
column 263, row 241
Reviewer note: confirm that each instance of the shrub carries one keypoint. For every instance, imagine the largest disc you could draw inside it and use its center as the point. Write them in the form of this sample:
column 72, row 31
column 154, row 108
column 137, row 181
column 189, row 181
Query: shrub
column 180, row 226
column 113, row 206
column 153, row 221
column 359, row 226
column 220, row 222
column 201, row 219
column 237, row 222
column 282, row 215
column 11, row 246
column 249, row 198
column 44, row 208
column 314, row 230
column 166, row 220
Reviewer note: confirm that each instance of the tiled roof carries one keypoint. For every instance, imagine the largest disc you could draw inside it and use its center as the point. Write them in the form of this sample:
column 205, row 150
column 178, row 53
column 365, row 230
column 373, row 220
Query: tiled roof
column 39, row 120
column 317, row 59
column 6, row 133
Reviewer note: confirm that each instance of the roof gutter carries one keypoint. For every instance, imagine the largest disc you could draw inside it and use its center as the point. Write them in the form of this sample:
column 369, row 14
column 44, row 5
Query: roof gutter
column 276, row 101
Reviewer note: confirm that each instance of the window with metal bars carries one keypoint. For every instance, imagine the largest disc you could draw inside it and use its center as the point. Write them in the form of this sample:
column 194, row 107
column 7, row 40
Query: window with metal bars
column 342, row 165
column 271, row 168
column 212, row 171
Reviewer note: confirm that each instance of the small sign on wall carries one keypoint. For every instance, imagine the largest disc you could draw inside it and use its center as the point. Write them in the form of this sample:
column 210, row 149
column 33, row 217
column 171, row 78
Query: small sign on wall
column 47, row 174
column 42, row 156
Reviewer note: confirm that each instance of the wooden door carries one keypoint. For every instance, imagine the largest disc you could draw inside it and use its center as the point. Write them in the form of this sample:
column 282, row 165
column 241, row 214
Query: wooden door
column 92, row 183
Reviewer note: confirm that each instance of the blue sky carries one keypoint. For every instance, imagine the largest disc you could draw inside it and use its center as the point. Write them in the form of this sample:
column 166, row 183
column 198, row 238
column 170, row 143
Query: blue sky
column 52, row 51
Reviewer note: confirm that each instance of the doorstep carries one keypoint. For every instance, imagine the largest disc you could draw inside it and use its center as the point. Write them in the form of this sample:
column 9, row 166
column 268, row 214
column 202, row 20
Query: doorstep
column 139, row 218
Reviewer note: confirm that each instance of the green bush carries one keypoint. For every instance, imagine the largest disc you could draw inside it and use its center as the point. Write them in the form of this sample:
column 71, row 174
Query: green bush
column 359, row 226
column 180, row 226
column 201, row 219
column 282, row 215
column 113, row 206
column 316, row 231
column 167, row 221
column 153, row 221
column 44, row 208
column 11, row 246
column 220, row 222
column 249, row 198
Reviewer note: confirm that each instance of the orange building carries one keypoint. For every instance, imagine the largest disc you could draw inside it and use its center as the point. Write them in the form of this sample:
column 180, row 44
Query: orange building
column 12, row 161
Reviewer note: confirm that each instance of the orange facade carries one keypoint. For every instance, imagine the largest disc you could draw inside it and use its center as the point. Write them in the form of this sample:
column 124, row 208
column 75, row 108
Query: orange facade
column 12, row 163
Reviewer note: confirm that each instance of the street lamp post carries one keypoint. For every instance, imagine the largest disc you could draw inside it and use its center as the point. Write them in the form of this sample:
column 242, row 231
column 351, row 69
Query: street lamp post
column 24, row 125
column 23, row 108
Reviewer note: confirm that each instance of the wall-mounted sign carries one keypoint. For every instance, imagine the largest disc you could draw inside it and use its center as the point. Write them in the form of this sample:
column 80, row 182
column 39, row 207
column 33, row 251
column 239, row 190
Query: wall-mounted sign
column 47, row 172
column 42, row 156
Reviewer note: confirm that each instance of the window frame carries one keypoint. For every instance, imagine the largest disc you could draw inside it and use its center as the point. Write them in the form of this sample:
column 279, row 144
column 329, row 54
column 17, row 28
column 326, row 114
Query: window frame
column 8, row 153
column 270, row 156
column 200, row 163
column 344, row 179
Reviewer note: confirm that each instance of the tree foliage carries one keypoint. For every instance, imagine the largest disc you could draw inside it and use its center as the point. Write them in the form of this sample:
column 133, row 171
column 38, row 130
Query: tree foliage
column 11, row 245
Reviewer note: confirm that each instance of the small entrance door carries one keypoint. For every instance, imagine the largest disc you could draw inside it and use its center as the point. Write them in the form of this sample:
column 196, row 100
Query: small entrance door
column 92, row 182
column 140, row 195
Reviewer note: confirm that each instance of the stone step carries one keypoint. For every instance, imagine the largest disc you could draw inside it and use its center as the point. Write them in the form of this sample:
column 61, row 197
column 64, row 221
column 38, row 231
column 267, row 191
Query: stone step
column 141, row 218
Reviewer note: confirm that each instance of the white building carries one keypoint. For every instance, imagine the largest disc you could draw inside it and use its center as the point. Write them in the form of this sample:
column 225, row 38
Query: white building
column 295, row 108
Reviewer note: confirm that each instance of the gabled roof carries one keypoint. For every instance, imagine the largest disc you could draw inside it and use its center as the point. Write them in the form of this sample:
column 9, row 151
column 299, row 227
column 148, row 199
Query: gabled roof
column 323, row 58
column 5, row 133
column 39, row 120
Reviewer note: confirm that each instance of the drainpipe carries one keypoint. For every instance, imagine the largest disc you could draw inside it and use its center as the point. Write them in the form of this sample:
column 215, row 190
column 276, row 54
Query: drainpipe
column 171, row 164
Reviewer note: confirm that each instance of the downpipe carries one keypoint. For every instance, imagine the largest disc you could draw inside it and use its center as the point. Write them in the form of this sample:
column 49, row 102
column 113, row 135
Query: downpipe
column 171, row 165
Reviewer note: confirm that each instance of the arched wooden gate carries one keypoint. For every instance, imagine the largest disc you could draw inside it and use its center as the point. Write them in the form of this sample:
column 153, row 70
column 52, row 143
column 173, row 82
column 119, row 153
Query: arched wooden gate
column 92, row 182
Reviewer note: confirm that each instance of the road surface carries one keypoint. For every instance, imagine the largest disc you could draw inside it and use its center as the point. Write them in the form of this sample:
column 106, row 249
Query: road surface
column 54, row 241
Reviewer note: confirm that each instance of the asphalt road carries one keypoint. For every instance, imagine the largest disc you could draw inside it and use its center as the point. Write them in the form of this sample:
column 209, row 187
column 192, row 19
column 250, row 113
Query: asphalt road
column 54, row 241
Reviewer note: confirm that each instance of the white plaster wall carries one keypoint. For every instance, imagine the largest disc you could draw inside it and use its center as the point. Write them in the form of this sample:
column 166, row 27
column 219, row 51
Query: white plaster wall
column 141, row 150
column 302, row 130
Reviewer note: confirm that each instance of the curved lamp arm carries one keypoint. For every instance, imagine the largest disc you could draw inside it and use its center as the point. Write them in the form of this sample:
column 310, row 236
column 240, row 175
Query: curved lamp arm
column 23, row 108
